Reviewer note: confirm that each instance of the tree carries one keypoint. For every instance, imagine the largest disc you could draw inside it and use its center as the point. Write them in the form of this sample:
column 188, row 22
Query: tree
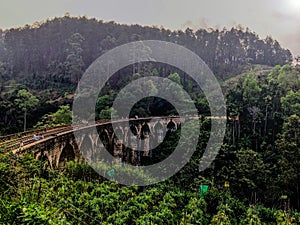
column 25, row 100
column 297, row 59
column 252, row 216
column 248, row 173
column 251, row 89
column 2, row 73
column 61, row 117
column 74, row 62
column 289, row 78
column 221, row 217
column 288, row 147
column 140, row 52
column 291, row 103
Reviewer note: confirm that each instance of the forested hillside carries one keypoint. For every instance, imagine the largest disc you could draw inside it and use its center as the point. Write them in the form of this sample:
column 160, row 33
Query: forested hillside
column 46, row 48
column 49, row 58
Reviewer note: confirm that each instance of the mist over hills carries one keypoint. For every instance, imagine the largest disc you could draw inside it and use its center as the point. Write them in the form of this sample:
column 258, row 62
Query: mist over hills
column 49, row 48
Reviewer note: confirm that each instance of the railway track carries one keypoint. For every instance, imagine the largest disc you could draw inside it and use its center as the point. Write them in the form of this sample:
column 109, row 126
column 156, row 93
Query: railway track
column 15, row 141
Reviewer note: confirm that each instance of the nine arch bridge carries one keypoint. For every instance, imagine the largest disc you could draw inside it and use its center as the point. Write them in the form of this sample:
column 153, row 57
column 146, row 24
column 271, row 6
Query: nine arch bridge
column 126, row 140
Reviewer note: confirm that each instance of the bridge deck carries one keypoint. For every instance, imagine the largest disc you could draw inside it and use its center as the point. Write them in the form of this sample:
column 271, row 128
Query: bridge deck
column 21, row 141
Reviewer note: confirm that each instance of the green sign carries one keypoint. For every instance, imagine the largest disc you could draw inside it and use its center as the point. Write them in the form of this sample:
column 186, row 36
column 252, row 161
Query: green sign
column 111, row 172
column 202, row 190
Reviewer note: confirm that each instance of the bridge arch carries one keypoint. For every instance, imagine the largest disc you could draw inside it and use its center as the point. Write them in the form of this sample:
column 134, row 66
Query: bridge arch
column 159, row 132
column 118, row 134
column 145, row 130
column 105, row 139
column 171, row 125
column 134, row 130
column 67, row 154
column 45, row 158
column 87, row 147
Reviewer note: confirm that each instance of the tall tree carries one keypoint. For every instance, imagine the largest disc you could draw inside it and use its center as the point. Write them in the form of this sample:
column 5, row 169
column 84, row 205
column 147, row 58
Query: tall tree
column 25, row 101
column 251, row 89
column 288, row 147
column 291, row 103
column 74, row 62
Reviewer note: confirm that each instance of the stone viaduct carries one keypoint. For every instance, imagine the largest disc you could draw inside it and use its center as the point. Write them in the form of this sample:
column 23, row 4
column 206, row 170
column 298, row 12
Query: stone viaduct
column 127, row 142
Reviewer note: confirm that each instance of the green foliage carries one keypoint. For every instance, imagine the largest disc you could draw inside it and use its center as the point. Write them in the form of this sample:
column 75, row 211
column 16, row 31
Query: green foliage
column 76, row 195
column 252, row 217
column 288, row 78
column 251, row 89
column 221, row 218
column 175, row 78
column 25, row 101
column 283, row 218
column 41, row 214
column 106, row 114
column 61, row 117
column 195, row 212
column 291, row 103
column 74, row 62
column 289, row 159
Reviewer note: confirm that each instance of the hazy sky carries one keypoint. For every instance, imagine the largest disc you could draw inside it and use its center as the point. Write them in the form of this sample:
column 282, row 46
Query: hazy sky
column 278, row 18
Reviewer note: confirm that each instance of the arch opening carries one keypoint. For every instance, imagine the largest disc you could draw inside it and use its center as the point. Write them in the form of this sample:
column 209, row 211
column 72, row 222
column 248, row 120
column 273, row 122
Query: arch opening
column 66, row 155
